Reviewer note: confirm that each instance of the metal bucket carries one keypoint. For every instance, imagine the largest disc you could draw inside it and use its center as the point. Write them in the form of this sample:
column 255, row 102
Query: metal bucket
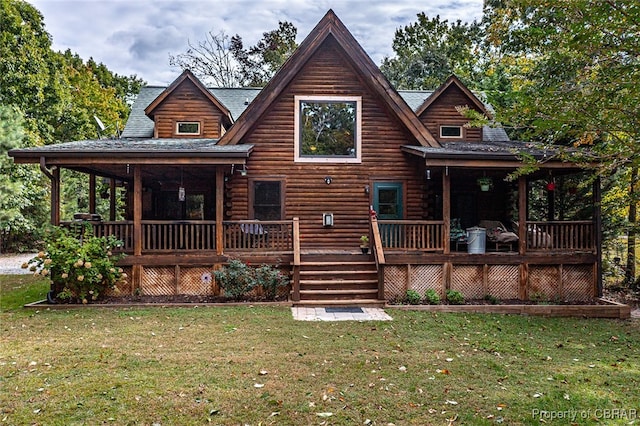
column 476, row 240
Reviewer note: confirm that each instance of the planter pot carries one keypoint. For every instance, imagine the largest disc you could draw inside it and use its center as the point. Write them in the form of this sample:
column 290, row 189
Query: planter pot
column 485, row 188
column 365, row 250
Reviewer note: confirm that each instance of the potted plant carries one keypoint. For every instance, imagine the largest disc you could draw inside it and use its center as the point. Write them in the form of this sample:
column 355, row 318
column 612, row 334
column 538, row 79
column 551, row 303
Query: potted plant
column 364, row 244
column 485, row 183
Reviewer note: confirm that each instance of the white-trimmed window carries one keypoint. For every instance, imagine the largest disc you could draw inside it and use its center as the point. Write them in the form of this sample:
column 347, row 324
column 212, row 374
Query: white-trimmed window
column 328, row 129
column 454, row 132
column 188, row 128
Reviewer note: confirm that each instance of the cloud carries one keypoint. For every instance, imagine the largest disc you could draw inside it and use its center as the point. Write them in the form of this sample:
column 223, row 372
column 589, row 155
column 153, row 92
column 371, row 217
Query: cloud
column 136, row 37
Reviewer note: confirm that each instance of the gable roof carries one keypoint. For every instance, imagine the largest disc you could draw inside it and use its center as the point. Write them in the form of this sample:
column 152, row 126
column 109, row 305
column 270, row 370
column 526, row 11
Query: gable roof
column 330, row 24
column 187, row 76
column 453, row 81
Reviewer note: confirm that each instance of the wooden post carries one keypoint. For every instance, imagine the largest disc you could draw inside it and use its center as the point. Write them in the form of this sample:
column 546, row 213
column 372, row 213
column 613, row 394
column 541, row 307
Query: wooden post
column 522, row 215
column 296, row 260
column 55, row 197
column 137, row 225
column 92, row 193
column 112, row 199
column 219, row 210
column 446, row 210
column 597, row 201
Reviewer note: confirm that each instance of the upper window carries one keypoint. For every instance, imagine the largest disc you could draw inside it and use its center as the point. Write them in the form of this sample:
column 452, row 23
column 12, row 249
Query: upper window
column 188, row 128
column 327, row 129
column 450, row 131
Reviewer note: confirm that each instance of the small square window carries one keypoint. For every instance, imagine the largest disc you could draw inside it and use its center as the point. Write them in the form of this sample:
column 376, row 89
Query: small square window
column 450, row 131
column 188, row 128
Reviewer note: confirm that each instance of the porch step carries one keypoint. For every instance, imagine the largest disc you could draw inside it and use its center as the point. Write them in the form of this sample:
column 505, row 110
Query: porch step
column 368, row 303
column 342, row 280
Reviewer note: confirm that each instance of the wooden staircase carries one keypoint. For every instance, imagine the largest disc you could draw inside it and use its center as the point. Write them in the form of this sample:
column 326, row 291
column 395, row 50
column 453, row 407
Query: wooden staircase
column 338, row 280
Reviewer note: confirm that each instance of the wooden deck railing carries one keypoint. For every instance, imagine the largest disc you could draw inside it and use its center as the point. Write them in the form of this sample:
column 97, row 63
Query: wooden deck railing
column 561, row 235
column 121, row 230
column 162, row 235
column 412, row 235
column 258, row 235
column 378, row 254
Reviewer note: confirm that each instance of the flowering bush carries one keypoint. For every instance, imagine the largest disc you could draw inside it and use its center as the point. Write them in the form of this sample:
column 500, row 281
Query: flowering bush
column 80, row 269
column 237, row 279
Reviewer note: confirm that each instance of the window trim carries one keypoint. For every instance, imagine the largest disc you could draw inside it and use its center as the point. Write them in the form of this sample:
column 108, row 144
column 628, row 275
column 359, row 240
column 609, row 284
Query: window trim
column 251, row 182
column 179, row 133
column 451, row 126
column 297, row 158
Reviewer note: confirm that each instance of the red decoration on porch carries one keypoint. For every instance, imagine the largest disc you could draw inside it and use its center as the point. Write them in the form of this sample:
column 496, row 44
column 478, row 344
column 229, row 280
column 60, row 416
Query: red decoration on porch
column 551, row 186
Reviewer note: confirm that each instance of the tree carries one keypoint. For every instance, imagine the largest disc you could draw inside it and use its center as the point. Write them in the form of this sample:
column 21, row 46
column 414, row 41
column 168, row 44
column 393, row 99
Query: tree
column 575, row 66
column 428, row 51
column 225, row 62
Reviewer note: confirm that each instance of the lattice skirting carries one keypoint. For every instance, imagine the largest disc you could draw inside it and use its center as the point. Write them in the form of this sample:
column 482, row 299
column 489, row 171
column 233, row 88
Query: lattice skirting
column 468, row 280
column 544, row 282
column 503, row 281
column 197, row 281
column 424, row 277
column 395, row 281
column 158, row 281
column 577, row 282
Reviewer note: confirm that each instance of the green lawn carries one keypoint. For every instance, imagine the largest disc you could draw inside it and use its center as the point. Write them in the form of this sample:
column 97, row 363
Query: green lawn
column 255, row 365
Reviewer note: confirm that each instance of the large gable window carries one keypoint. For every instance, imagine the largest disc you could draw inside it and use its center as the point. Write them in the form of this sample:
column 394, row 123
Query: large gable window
column 328, row 129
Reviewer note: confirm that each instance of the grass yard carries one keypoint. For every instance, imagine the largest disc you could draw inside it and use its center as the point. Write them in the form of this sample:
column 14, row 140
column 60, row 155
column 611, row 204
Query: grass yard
column 246, row 365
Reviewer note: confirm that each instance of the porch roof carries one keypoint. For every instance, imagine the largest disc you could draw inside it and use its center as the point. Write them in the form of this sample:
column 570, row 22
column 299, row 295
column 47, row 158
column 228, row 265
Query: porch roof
column 110, row 150
column 495, row 153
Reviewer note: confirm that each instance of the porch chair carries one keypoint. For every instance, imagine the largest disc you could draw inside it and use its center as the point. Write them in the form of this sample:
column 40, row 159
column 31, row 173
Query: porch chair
column 498, row 234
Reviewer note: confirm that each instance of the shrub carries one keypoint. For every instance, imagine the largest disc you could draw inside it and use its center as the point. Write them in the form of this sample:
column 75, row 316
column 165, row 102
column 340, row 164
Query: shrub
column 235, row 278
column 81, row 268
column 455, row 297
column 270, row 278
column 432, row 297
column 491, row 299
column 412, row 297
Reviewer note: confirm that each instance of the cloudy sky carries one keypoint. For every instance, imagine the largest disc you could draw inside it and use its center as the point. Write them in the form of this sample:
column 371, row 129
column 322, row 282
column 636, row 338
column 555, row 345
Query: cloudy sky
column 137, row 36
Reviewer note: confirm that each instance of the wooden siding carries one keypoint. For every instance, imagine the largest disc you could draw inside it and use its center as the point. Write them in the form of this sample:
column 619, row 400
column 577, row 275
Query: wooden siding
column 307, row 195
column 443, row 113
column 187, row 103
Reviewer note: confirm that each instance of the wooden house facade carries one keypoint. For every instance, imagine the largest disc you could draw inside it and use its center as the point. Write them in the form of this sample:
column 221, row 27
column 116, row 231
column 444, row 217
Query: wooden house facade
column 295, row 173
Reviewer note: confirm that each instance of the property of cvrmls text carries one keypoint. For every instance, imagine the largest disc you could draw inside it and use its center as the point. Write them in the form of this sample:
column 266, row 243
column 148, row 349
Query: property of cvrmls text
column 597, row 414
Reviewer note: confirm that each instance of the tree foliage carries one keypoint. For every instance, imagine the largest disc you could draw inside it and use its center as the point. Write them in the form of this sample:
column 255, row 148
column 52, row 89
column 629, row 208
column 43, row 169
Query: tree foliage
column 48, row 97
column 430, row 50
column 223, row 61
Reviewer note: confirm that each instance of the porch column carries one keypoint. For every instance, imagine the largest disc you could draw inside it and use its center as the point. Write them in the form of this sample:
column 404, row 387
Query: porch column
column 219, row 210
column 92, row 193
column 597, row 219
column 446, row 210
column 522, row 215
column 137, row 226
column 55, row 197
column 112, row 199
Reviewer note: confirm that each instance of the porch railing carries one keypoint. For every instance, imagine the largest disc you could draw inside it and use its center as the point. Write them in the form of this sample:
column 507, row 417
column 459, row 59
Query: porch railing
column 412, row 235
column 561, row 235
column 258, row 235
column 161, row 235
column 122, row 230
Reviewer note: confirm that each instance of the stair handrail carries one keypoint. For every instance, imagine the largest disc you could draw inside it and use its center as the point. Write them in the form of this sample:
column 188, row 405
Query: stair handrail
column 296, row 260
column 378, row 254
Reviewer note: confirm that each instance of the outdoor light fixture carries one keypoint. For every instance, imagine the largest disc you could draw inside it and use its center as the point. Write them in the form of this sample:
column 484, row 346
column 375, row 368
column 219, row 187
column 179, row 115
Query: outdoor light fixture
column 181, row 192
column 327, row 219
column 327, row 180
column 243, row 171
column 427, row 174
column 367, row 189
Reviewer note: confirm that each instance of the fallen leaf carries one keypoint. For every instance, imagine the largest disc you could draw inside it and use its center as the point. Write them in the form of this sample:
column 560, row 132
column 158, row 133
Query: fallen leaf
column 324, row 414
column 258, row 385
column 402, row 368
column 263, row 372
column 451, row 402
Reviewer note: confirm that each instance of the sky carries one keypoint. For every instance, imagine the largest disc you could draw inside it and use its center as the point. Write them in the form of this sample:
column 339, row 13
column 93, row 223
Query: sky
column 137, row 36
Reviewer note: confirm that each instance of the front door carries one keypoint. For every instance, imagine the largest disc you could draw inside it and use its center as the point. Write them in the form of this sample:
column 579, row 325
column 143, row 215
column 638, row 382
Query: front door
column 387, row 200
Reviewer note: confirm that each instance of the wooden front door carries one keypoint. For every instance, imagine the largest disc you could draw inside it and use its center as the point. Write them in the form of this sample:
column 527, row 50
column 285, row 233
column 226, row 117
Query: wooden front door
column 387, row 200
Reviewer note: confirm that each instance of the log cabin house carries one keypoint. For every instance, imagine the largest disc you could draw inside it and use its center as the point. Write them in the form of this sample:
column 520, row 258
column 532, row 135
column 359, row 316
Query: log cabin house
column 295, row 173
